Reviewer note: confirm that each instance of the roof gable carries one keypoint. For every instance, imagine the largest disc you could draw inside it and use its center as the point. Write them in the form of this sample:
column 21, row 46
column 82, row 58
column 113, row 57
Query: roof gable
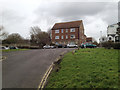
column 65, row 25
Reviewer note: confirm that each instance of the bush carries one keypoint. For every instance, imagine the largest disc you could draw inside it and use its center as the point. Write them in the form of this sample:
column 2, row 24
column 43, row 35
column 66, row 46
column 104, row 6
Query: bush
column 116, row 45
column 24, row 47
column 34, row 47
column 110, row 45
column 29, row 47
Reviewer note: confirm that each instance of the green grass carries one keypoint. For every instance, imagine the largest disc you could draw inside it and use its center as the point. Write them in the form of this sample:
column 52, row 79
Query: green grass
column 87, row 68
column 8, row 50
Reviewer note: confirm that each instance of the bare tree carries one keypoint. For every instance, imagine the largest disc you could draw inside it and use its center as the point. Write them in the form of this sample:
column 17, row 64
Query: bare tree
column 38, row 37
column 3, row 34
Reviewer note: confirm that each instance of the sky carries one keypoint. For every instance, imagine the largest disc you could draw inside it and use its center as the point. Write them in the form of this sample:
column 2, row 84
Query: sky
column 18, row 16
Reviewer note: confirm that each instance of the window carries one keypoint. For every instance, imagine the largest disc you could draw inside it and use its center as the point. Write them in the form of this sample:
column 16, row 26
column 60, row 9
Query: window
column 110, row 38
column 66, row 30
column 61, row 30
column 56, row 37
column 111, row 26
column 72, row 30
column 72, row 36
column 56, row 31
column 61, row 37
column 66, row 36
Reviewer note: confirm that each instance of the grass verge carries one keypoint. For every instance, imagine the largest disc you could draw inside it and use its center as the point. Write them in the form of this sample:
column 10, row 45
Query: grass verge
column 8, row 50
column 87, row 68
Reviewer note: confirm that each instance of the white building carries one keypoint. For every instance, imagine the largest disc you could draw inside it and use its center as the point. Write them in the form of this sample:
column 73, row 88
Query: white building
column 103, row 39
column 112, row 33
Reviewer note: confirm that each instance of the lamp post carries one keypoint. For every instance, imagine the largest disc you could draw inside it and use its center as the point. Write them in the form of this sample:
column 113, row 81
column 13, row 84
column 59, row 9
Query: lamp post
column 100, row 38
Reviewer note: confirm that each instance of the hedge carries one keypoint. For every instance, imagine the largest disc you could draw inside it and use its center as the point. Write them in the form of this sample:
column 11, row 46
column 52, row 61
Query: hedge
column 108, row 45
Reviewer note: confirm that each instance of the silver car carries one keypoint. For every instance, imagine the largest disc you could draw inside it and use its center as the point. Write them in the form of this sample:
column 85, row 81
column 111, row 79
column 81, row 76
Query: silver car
column 47, row 47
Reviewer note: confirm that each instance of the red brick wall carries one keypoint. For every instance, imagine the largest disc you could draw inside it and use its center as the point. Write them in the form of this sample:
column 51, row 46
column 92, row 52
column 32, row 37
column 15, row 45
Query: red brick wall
column 79, row 31
column 64, row 34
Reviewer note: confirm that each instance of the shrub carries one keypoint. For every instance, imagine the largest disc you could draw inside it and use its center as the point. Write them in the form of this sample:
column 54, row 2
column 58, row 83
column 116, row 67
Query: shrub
column 116, row 45
column 29, row 47
column 108, row 45
column 24, row 47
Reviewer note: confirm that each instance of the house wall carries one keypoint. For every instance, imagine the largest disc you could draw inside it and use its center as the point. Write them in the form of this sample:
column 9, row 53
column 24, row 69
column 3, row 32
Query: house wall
column 78, row 34
column 112, row 29
column 89, row 39
column 81, row 31
column 111, row 32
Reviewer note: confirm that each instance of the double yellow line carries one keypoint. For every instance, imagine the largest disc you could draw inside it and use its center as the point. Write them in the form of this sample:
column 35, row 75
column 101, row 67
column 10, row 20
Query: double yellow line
column 43, row 81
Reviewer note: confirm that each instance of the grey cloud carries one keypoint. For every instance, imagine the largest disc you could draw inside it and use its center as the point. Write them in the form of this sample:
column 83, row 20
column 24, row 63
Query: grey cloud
column 110, row 13
column 11, row 17
column 70, row 10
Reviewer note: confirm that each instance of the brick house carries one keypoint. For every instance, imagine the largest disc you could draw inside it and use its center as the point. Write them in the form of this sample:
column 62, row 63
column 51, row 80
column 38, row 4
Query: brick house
column 89, row 39
column 68, row 33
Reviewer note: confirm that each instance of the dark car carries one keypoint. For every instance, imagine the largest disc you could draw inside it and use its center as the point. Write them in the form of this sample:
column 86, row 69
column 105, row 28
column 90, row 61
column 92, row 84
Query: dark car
column 60, row 46
column 88, row 45
column 12, row 47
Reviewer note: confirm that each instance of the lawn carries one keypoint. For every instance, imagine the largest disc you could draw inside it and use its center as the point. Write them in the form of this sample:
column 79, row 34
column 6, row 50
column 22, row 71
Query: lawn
column 8, row 50
column 87, row 68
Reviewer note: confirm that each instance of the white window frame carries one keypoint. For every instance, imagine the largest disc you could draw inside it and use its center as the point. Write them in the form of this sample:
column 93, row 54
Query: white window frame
column 56, row 31
column 56, row 37
column 72, row 30
column 62, row 37
column 73, row 36
column 66, row 36
column 62, row 31
column 66, row 30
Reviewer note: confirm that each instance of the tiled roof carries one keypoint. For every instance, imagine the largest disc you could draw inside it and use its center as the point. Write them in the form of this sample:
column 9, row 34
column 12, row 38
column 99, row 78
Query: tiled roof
column 65, row 25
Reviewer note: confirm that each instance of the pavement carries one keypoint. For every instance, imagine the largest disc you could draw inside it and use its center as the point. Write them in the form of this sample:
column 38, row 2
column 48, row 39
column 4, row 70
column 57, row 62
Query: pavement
column 25, row 69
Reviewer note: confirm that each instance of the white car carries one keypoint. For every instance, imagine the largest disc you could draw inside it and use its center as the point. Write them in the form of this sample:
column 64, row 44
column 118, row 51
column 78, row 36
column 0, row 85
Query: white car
column 3, row 47
column 52, row 47
column 46, row 47
column 72, row 46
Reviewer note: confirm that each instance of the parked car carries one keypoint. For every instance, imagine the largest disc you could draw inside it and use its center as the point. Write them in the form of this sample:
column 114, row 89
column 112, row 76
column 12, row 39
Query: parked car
column 88, row 45
column 12, row 47
column 4, row 47
column 60, row 46
column 46, row 47
column 52, row 47
column 72, row 45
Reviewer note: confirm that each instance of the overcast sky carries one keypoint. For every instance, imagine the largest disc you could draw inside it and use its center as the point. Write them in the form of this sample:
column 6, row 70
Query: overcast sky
column 17, row 16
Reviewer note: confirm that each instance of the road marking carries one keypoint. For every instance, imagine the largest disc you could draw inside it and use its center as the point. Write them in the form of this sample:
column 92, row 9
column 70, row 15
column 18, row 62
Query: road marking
column 42, row 83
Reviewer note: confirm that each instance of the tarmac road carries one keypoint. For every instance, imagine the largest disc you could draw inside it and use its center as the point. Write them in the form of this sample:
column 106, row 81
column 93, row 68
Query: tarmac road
column 25, row 69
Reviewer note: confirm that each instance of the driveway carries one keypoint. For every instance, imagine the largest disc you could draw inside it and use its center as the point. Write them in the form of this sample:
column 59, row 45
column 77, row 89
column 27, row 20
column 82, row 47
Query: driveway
column 24, row 69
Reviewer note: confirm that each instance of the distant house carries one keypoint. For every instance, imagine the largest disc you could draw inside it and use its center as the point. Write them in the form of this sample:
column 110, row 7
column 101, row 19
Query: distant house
column 89, row 39
column 103, row 39
column 112, row 33
column 68, row 33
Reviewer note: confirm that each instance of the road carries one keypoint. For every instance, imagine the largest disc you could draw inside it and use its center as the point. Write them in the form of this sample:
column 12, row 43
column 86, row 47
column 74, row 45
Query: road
column 25, row 69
